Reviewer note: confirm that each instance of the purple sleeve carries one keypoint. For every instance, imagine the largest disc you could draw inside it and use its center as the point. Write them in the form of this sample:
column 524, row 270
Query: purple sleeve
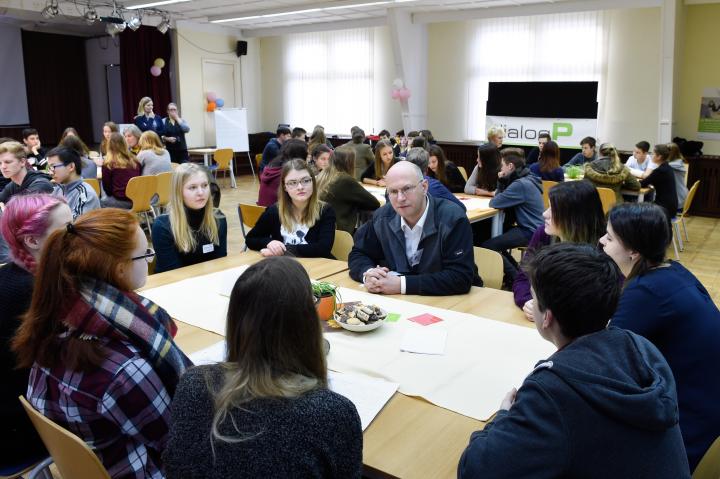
column 521, row 285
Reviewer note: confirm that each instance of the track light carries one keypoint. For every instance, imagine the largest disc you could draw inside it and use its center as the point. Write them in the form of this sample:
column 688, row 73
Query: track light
column 164, row 25
column 90, row 15
column 51, row 10
column 135, row 22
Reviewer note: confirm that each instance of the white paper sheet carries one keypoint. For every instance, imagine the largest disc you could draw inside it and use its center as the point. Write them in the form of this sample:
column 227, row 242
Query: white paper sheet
column 369, row 395
column 475, row 203
column 428, row 340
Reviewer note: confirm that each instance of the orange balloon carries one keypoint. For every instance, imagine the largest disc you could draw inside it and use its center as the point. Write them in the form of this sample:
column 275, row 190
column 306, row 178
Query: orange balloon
column 211, row 106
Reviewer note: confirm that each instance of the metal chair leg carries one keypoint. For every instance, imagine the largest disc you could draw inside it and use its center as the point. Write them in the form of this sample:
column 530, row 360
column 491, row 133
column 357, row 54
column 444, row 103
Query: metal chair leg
column 676, row 234
column 682, row 220
column 674, row 242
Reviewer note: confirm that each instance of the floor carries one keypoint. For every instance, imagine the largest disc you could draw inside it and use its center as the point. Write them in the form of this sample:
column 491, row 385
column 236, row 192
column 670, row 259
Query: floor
column 701, row 254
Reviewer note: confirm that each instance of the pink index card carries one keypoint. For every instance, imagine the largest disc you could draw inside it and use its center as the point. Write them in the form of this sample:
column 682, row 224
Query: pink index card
column 425, row 319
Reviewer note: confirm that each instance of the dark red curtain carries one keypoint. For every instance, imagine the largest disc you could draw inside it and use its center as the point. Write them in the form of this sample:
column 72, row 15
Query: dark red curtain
column 138, row 51
column 57, row 85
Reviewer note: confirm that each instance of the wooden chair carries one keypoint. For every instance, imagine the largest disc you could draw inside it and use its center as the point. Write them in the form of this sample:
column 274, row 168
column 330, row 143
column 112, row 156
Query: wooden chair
column 490, row 267
column 463, row 172
column 95, row 183
column 709, row 466
column 222, row 158
column 680, row 218
column 547, row 186
column 342, row 245
column 164, row 185
column 249, row 215
column 141, row 190
column 607, row 198
column 71, row 455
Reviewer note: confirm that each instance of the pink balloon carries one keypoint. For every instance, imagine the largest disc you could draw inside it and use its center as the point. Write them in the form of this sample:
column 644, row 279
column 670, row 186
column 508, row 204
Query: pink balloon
column 211, row 96
column 395, row 94
column 404, row 93
column 155, row 71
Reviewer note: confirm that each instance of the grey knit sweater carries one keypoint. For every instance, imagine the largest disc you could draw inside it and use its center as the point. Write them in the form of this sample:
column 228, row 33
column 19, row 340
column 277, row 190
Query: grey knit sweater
column 315, row 435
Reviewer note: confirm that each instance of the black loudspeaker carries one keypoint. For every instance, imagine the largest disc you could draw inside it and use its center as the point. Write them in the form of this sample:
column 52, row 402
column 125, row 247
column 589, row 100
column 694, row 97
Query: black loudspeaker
column 241, row 48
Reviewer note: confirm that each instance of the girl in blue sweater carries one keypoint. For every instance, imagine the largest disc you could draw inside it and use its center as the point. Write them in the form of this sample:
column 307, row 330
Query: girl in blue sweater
column 664, row 302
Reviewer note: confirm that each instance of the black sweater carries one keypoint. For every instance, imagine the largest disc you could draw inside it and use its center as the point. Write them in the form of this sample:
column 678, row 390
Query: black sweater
column 454, row 180
column 315, row 435
column 320, row 237
column 18, row 440
column 348, row 197
column 663, row 179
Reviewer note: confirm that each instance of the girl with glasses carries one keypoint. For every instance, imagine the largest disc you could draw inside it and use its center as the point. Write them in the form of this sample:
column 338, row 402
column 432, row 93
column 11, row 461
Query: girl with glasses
column 104, row 364
column 26, row 223
column 193, row 231
column 299, row 223
column 266, row 411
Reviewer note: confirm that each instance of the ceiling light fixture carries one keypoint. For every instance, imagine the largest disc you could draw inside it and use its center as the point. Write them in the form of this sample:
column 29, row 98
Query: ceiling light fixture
column 90, row 15
column 135, row 22
column 309, row 10
column 154, row 4
column 51, row 10
column 164, row 25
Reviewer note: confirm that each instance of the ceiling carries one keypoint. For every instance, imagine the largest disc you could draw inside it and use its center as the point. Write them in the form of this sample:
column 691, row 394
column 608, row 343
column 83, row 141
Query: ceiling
column 251, row 15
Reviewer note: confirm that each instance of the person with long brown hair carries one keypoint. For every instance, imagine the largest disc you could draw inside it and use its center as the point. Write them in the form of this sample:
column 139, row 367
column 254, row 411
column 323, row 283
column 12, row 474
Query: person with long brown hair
column 444, row 171
column 25, row 225
column 375, row 173
column 266, row 411
column 484, row 177
column 104, row 364
column 119, row 168
column 299, row 223
column 548, row 165
column 346, row 196
column 109, row 128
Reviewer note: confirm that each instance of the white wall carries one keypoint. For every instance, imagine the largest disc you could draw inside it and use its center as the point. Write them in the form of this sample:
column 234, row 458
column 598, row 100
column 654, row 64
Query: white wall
column 197, row 43
column 99, row 52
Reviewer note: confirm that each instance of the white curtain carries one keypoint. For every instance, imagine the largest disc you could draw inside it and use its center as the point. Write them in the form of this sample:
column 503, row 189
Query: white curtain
column 563, row 47
column 328, row 79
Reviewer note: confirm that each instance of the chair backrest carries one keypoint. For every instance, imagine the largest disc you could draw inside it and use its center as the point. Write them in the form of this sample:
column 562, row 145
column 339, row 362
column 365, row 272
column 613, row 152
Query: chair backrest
column 490, row 267
column 249, row 215
column 164, row 185
column 140, row 190
column 547, row 186
column 709, row 466
column 95, row 183
column 258, row 160
column 463, row 172
column 690, row 197
column 607, row 198
column 223, row 157
column 342, row 245
column 71, row 455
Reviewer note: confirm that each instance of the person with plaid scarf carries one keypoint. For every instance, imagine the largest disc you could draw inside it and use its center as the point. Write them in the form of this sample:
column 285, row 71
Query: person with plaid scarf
column 104, row 364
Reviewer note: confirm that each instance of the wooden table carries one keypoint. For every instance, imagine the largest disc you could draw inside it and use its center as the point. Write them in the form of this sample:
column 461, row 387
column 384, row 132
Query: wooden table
column 473, row 215
column 410, row 438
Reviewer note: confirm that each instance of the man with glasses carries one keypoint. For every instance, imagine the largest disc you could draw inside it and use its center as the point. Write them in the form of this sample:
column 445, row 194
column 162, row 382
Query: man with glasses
column 415, row 244
column 65, row 166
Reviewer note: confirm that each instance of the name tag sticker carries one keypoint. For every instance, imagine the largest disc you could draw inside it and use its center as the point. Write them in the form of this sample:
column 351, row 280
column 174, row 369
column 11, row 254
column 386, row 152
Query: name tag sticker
column 208, row 248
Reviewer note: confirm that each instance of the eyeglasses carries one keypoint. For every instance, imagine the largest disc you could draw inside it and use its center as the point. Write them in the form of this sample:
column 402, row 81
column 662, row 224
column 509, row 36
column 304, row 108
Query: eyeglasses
column 295, row 183
column 51, row 168
column 148, row 256
column 405, row 190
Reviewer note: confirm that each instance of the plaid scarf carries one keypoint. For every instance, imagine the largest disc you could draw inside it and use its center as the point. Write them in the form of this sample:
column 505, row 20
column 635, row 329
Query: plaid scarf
column 103, row 311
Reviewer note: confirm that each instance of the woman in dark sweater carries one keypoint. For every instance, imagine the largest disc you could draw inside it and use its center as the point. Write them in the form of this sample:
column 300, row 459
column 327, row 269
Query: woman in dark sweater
column 267, row 411
column 343, row 192
column 662, row 179
column 548, row 166
column 664, row 302
column 193, row 231
column 174, row 129
column 484, row 177
column 374, row 174
column 575, row 215
column 444, row 171
column 299, row 223
column 119, row 168
column 26, row 223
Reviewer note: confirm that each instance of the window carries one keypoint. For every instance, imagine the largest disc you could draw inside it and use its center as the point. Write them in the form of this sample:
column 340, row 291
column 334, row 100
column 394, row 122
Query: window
column 563, row 47
column 329, row 79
